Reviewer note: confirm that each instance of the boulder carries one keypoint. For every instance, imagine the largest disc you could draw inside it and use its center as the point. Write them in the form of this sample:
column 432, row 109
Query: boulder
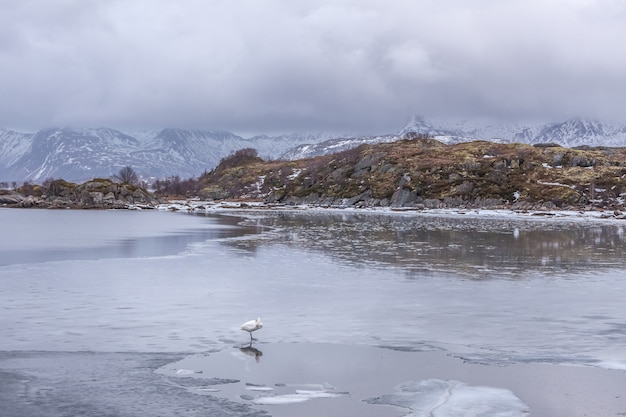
column 11, row 199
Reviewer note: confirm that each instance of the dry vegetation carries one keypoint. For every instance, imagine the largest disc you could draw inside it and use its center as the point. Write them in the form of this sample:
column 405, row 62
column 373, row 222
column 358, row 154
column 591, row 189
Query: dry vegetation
column 425, row 172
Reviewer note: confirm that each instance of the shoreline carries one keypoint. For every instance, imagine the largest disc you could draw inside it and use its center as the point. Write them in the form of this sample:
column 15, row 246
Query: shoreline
column 200, row 206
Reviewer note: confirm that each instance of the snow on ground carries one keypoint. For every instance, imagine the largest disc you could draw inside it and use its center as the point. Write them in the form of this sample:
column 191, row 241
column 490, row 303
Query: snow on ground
column 200, row 206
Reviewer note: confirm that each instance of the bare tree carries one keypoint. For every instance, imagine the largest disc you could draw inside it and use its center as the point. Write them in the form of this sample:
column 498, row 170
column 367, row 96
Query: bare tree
column 127, row 175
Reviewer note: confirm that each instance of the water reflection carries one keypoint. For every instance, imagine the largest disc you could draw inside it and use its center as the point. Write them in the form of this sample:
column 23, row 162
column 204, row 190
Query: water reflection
column 252, row 352
column 62, row 235
column 433, row 245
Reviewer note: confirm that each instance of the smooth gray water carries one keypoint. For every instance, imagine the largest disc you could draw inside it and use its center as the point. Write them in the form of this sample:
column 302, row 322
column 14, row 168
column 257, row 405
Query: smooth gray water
column 488, row 291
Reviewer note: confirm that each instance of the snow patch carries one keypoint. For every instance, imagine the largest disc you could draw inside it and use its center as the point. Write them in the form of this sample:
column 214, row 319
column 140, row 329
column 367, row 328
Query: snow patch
column 294, row 174
column 558, row 184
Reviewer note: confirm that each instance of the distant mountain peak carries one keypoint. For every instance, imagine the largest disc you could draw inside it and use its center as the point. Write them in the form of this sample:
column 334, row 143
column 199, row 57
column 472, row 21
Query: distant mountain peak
column 569, row 133
column 77, row 154
column 80, row 154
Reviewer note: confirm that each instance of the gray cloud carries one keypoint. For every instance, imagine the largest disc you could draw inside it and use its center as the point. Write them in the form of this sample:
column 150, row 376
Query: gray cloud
column 276, row 65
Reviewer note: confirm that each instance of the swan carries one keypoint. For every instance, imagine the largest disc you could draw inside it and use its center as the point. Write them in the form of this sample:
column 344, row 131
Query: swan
column 252, row 326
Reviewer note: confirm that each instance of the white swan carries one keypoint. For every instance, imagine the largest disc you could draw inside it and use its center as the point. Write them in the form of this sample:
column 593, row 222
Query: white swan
column 252, row 326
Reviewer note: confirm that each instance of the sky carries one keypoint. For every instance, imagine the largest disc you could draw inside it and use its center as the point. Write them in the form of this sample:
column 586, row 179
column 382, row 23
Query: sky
column 278, row 66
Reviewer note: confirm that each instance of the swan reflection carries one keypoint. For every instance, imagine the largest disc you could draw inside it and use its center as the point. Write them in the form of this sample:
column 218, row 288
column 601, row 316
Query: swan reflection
column 252, row 352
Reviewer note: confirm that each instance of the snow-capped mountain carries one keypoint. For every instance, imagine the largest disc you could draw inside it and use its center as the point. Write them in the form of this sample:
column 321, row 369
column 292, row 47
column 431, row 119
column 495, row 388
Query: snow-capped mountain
column 570, row 133
column 83, row 154
column 455, row 131
column 69, row 152
column 579, row 132
column 12, row 146
column 311, row 150
column 275, row 146
column 446, row 132
column 185, row 153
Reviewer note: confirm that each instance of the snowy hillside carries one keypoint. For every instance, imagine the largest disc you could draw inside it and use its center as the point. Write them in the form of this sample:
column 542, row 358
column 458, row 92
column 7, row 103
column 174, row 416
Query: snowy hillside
column 571, row 133
column 12, row 146
column 82, row 154
column 273, row 147
column 70, row 153
column 334, row 145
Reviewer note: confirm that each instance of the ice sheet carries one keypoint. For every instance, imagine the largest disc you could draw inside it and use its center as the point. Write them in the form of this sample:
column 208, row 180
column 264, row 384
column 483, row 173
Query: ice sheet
column 440, row 398
column 489, row 291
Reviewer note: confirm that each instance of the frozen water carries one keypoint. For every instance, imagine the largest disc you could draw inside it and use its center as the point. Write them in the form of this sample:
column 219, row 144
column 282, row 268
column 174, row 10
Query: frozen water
column 258, row 388
column 486, row 291
column 185, row 372
column 491, row 291
column 63, row 235
column 53, row 384
column 299, row 397
column 438, row 398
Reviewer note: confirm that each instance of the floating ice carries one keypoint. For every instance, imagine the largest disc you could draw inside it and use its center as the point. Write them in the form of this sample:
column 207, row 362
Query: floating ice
column 252, row 387
column 612, row 364
column 299, row 397
column 206, row 389
column 187, row 372
column 438, row 398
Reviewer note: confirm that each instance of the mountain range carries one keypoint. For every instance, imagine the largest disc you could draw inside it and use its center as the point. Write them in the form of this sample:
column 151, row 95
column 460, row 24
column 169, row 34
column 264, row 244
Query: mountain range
column 82, row 154
column 570, row 134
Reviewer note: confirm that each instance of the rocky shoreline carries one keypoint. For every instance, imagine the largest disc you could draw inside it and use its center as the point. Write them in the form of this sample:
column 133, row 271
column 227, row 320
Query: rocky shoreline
column 536, row 213
column 94, row 194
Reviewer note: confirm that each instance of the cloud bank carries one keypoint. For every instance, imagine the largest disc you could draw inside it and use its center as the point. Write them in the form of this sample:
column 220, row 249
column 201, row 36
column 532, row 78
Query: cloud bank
column 362, row 66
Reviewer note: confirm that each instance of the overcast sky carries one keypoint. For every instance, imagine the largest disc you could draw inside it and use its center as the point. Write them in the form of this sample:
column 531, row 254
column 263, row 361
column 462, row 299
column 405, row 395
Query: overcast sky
column 269, row 66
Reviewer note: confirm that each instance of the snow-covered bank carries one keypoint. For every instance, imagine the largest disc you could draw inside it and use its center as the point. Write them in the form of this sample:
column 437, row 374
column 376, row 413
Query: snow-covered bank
column 199, row 206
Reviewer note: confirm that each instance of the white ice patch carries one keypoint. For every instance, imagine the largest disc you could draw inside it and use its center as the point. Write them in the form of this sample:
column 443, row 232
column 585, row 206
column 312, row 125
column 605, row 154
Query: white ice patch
column 299, row 397
column 438, row 398
column 259, row 388
column 205, row 389
column 187, row 372
column 613, row 360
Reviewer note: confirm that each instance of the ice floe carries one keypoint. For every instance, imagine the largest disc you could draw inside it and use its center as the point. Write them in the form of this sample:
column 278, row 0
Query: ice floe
column 298, row 397
column 254, row 387
column 439, row 398
column 187, row 372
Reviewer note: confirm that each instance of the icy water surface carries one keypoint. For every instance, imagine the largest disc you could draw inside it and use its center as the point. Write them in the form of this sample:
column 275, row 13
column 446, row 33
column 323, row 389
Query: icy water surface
column 157, row 286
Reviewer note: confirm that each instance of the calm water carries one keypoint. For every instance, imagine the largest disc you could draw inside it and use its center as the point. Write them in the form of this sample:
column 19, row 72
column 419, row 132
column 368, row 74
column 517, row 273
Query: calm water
column 159, row 281
column 489, row 291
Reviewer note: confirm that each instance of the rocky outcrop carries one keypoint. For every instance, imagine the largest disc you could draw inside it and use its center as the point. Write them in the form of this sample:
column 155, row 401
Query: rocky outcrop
column 94, row 194
column 10, row 198
column 424, row 173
